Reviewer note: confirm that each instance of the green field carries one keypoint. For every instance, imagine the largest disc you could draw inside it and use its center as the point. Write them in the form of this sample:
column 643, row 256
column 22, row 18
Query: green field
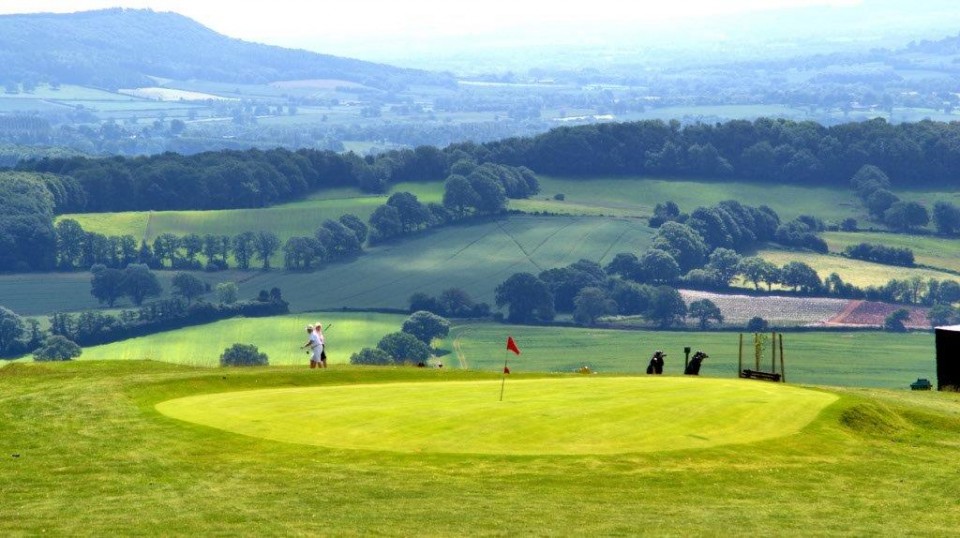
column 857, row 272
column 476, row 258
column 580, row 416
column 279, row 337
column 867, row 359
column 35, row 294
column 637, row 197
column 300, row 218
column 928, row 250
column 87, row 453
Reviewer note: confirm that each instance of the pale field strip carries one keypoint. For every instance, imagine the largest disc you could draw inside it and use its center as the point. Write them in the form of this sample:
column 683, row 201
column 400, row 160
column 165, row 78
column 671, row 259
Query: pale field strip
column 774, row 309
column 170, row 94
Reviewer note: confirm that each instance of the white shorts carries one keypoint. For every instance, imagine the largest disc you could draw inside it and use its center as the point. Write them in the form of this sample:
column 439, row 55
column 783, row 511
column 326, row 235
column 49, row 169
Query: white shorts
column 315, row 356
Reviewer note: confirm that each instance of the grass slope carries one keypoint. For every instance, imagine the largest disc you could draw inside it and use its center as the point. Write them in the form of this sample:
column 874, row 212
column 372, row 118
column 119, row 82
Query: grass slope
column 96, row 458
column 585, row 416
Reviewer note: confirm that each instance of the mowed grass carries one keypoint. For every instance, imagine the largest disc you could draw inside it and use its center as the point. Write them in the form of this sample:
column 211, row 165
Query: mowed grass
column 940, row 252
column 279, row 337
column 857, row 272
column 94, row 457
column 858, row 359
column 582, row 416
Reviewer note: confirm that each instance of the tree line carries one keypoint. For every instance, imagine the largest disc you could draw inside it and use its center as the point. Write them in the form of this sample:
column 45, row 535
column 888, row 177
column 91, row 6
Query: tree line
column 19, row 335
column 769, row 150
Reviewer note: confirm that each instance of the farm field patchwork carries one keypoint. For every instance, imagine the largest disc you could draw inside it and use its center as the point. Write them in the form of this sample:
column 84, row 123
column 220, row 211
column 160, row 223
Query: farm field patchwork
column 87, row 436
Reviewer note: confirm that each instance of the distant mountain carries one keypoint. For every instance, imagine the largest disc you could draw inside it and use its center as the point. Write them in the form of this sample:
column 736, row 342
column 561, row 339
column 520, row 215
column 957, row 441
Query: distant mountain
column 116, row 48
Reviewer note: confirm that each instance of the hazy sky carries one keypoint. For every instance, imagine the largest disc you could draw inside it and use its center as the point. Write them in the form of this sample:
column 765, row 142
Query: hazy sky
column 289, row 22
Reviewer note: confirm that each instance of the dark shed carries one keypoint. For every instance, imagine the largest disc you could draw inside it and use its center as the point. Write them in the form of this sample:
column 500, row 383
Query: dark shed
column 948, row 357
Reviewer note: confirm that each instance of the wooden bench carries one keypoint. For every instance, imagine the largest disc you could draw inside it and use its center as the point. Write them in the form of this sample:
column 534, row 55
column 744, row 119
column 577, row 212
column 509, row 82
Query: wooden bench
column 755, row 374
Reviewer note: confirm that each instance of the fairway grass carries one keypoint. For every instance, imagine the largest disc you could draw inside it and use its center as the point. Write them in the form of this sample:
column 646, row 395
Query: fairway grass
column 95, row 458
column 579, row 416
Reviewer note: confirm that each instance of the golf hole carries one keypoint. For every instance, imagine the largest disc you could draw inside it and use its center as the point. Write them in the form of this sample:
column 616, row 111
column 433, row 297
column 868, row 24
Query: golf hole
column 574, row 416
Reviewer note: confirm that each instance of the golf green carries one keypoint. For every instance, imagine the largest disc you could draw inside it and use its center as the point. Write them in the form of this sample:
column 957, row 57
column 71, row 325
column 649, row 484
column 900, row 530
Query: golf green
column 570, row 415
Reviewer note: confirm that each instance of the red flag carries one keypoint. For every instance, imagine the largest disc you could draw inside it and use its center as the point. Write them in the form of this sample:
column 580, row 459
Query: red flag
column 506, row 369
column 512, row 346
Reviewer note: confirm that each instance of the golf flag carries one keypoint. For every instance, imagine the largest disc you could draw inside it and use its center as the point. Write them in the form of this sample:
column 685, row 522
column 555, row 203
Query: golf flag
column 512, row 346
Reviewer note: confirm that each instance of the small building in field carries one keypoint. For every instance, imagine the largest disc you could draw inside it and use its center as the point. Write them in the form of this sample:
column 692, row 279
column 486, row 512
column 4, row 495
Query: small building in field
column 948, row 357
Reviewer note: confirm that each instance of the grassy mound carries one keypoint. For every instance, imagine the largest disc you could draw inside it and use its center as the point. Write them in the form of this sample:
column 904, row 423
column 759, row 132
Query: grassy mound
column 545, row 416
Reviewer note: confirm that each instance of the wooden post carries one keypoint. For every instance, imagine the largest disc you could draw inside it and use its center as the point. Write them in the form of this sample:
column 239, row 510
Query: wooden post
column 783, row 373
column 773, row 351
column 757, row 342
column 740, row 357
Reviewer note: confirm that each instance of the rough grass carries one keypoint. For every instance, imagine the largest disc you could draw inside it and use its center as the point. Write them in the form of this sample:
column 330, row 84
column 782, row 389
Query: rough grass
column 95, row 458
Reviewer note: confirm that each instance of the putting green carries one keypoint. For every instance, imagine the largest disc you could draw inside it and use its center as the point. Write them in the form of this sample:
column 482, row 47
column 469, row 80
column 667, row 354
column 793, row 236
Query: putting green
column 588, row 415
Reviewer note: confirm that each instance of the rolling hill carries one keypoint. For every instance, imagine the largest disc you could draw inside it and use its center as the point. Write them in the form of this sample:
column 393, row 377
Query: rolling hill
column 116, row 48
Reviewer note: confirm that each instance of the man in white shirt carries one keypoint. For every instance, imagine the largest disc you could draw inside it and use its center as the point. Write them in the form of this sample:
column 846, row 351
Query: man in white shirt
column 315, row 344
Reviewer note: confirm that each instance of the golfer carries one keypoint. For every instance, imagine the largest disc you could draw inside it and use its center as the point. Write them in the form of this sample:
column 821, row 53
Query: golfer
column 315, row 346
column 318, row 332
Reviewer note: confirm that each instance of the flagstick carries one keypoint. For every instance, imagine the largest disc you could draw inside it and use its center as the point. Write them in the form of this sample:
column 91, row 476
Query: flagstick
column 503, row 373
